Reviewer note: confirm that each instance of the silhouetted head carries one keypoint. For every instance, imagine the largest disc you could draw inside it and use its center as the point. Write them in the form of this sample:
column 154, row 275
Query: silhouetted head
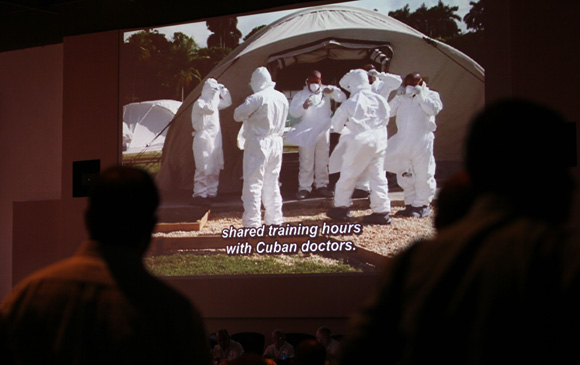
column 310, row 352
column 278, row 337
column 122, row 208
column 516, row 148
column 453, row 200
column 323, row 335
column 223, row 338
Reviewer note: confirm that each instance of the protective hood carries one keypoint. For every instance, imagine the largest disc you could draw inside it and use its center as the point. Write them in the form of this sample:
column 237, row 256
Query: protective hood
column 355, row 80
column 261, row 79
column 210, row 87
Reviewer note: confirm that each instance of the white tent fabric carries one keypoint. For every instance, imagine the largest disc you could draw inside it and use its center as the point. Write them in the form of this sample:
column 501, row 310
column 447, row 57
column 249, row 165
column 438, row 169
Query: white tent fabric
column 142, row 123
column 458, row 79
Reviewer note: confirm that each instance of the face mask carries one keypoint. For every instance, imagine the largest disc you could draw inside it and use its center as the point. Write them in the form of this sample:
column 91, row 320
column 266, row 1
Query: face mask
column 314, row 87
column 410, row 89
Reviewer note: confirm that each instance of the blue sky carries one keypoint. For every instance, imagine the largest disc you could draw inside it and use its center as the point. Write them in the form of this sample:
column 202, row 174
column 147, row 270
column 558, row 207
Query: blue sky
column 199, row 32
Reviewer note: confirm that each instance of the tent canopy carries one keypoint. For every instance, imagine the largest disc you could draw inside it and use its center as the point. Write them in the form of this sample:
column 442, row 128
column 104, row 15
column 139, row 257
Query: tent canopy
column 333, row 39
column 144, row 124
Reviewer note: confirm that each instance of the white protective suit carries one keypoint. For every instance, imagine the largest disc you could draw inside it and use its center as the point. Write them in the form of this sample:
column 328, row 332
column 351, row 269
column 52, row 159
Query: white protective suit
column 410, row 151
column 366, row 115
column 264, row 116
column 312, row 134
column 207, row 138
column 384, row 84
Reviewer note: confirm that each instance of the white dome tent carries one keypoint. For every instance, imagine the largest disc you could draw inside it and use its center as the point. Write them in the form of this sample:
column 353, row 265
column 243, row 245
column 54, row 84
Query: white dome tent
column 144, row 124
column 343, row 37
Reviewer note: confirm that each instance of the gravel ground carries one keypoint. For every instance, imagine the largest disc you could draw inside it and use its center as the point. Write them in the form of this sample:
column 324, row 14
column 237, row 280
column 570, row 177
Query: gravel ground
column 384, row 240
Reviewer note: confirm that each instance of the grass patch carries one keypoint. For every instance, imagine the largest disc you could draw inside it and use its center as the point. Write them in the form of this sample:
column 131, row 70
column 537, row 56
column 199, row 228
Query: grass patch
column 192, row 264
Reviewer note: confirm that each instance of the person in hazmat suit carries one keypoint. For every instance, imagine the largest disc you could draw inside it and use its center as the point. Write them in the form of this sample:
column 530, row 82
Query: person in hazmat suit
column 207, row 140
column 410, row 151
column 312, row 105
column 382, row 83
column 366, row 115
column 264, row 116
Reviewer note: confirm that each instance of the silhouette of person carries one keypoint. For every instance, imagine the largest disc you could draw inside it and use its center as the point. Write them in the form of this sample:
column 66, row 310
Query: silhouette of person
column 279, row 350
column 500, row 284
column 453, row 200
column 101, row 305
column 226, row 348
column 332, row 346
column 310, row 352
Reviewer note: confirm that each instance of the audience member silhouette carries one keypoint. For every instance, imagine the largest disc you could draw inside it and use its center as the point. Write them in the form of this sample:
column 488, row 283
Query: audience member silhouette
column 502, row 283
column 101, row 306
column 280, row 349
column 332, row 346
column 310, row 352
column 226, row 348
column 453, row 200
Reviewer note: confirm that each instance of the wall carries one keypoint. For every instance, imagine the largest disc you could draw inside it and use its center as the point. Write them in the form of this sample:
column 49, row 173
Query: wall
column 529, row 56
column 31, row 90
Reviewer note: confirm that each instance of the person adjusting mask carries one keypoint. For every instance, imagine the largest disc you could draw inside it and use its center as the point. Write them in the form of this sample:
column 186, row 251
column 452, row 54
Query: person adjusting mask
column 207, row 140
column 382, row 83
column 366, row 115
column 264, row 116
column 312, row 106
column 410, row 151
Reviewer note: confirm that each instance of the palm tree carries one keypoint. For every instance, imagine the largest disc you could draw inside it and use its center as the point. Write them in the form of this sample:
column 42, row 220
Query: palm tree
column 225, row 32
column 438, row 21
column 182, row 72
column 402, row 14
column 442, row 21
column 474, row 18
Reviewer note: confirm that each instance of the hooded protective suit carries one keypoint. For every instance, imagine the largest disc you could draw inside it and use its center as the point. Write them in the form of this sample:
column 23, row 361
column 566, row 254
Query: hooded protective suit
column 384, row 83
column 312, row 134
column 366, row 115
column 207, row 138
column 410, row 151
column 264, row 116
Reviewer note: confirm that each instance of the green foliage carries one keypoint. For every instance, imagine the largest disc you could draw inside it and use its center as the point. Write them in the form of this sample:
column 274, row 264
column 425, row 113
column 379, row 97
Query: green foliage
column 225, row 32
column 474, row 18
column 189, row 264
column 438, row 21
column 157, row 68
column 254, row 31
column 207, row 58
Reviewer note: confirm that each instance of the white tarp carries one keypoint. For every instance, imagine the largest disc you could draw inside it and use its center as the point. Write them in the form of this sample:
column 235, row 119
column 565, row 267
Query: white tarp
column 143, row 122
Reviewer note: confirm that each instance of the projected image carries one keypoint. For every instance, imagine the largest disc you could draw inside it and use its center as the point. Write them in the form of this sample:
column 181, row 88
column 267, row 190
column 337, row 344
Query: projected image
column 304, row 141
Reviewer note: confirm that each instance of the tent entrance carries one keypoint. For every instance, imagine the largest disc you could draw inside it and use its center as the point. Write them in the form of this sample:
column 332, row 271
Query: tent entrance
column 332, row 57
